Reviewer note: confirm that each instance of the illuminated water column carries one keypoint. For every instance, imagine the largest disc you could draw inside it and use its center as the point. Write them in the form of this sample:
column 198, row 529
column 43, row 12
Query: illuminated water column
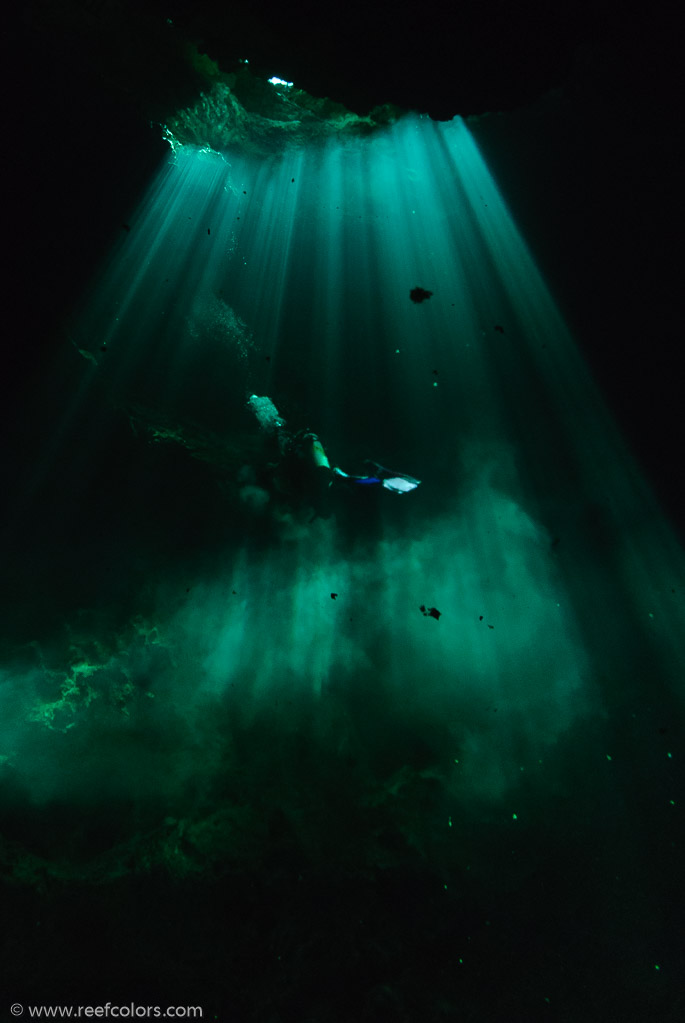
column 302, row 265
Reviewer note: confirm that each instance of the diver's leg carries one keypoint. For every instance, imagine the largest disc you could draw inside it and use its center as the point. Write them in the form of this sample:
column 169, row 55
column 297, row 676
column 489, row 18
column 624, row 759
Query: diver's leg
column 319, row 456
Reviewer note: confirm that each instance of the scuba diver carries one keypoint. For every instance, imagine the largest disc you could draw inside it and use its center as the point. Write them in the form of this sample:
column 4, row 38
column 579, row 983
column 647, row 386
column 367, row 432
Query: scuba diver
column 304, row 455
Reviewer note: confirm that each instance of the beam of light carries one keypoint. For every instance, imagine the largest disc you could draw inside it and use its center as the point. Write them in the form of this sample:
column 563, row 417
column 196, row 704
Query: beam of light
column 533, row 532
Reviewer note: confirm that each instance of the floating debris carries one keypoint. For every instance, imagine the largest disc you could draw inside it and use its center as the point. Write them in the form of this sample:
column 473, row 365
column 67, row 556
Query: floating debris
column 429, row 611
column 419, row 294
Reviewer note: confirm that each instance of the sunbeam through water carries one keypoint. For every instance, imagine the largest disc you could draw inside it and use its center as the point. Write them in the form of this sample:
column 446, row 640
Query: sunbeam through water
column 357, row 662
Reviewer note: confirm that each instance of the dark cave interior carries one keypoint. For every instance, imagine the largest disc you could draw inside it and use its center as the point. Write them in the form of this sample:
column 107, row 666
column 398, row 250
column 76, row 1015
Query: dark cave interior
column 276, row 860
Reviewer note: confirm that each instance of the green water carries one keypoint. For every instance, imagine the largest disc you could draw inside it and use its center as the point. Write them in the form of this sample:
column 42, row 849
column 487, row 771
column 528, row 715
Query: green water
column 187, row 702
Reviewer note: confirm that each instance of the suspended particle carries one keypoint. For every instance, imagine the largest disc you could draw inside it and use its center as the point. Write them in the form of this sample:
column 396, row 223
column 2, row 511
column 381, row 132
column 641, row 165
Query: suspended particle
column 499, row 329
column 333, row 596
column 419, row 294
column 429, row 611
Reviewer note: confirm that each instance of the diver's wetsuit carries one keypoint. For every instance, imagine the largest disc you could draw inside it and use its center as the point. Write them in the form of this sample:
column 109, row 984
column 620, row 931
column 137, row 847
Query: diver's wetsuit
column 304, row 471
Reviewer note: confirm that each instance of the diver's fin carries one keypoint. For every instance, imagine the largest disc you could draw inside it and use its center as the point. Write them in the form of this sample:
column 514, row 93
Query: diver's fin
column 400, row 482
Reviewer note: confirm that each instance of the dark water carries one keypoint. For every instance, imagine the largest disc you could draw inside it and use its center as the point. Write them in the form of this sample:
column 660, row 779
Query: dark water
column 241, row 769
